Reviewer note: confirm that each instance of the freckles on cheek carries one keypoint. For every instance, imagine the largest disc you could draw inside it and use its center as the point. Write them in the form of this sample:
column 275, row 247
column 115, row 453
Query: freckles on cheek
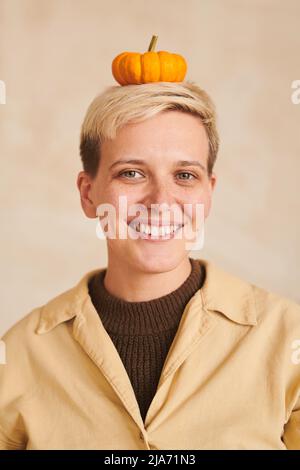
column 119, row 200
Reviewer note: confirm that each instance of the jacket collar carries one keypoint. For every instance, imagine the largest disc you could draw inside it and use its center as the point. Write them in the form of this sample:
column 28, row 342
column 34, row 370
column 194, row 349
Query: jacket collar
column 221, row 292
column 65, row 306
column 225, row 293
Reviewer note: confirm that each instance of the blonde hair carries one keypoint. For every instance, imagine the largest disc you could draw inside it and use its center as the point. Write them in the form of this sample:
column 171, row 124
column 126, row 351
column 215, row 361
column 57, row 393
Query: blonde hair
column 120, row 105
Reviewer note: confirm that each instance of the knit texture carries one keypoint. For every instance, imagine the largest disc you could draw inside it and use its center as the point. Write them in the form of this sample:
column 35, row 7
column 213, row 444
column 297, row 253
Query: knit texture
column 142, row 332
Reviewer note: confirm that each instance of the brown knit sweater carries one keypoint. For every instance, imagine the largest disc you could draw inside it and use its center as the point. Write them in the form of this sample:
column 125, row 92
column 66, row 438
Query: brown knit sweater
column 142, row 332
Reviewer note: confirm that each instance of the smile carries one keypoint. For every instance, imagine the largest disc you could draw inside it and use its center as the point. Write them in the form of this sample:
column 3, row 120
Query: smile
column 155, row 232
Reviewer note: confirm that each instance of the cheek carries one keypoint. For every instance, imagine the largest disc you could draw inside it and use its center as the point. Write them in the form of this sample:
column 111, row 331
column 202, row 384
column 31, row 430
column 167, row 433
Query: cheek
column 111, row 189
column 108, row 196
column 107, row 207
column 207, row 203
column 120, row 203
column 203, row 199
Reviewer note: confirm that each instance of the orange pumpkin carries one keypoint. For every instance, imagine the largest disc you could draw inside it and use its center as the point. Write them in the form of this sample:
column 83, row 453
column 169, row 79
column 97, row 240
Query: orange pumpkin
column 133, row 68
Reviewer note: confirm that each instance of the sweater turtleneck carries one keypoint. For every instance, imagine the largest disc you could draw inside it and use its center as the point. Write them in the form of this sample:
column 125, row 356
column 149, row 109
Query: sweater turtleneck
column 142, row 332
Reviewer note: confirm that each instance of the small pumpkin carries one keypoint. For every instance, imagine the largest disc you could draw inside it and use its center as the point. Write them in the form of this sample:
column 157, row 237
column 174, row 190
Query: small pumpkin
column 133, row 68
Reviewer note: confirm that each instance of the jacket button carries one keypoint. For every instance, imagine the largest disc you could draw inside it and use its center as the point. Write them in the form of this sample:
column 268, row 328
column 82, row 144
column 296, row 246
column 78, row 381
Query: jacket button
column 142, row 436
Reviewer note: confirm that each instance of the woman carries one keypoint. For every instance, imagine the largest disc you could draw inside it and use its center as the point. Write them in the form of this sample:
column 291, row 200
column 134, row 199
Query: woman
column 158, row 350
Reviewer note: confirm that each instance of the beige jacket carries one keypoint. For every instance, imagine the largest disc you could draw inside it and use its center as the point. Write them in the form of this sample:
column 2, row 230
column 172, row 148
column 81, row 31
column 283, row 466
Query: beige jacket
column 231, row 379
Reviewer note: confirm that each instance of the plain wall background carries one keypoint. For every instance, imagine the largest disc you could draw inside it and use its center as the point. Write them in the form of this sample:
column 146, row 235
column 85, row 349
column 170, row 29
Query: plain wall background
column 55, row 56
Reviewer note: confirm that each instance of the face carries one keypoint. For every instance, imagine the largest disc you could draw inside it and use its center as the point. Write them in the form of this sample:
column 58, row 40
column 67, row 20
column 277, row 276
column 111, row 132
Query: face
column 148, row 164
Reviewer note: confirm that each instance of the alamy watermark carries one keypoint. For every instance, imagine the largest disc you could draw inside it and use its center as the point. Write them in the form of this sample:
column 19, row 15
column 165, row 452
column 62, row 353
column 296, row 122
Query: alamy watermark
column 2, row 352
column 295, row 96
column 295, row 357
column 164, row 222
column 2, row 92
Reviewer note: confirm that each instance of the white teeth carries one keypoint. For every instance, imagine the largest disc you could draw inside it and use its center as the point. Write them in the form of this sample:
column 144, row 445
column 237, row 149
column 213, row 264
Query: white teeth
column 143, row 228
column 156, row 230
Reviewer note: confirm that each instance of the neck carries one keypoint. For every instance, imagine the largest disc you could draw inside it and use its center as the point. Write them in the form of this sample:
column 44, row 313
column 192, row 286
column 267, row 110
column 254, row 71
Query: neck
column 135, row 285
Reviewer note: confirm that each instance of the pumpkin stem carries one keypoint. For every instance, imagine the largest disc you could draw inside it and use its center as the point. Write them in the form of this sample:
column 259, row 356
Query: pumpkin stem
column 152, row 43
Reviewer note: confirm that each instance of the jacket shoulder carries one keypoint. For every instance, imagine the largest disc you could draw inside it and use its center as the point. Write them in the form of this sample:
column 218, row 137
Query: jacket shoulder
column 24, row 327
column 269, row 303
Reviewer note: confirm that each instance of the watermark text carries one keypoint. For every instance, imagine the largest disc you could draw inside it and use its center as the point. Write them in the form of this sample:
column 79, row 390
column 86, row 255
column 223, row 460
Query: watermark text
column 295, row 97
column 2, row 92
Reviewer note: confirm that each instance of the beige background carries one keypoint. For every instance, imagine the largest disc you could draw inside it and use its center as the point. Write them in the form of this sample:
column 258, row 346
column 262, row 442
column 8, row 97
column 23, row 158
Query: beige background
column 55, row 56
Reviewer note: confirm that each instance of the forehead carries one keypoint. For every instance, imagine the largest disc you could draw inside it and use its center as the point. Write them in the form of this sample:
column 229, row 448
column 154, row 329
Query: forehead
column 171, row 135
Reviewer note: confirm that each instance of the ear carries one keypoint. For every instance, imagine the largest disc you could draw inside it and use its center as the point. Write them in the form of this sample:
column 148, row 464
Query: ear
column 84, row 185
column 213, row 180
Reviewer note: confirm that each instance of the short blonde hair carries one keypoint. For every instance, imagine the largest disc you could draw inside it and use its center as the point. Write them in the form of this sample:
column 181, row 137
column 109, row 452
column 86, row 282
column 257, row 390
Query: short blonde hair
column 121, row 105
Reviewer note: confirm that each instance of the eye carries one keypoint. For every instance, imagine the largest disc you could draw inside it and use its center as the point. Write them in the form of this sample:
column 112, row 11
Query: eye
column 130, row 172
column 187, row 174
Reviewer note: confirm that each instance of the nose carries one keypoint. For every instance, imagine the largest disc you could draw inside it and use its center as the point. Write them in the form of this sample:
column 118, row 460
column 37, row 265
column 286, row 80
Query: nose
column 161, row 200
column 159, row 192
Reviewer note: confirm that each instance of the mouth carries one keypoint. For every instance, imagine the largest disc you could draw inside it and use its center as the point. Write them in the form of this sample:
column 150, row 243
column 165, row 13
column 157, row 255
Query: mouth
column 155, row 232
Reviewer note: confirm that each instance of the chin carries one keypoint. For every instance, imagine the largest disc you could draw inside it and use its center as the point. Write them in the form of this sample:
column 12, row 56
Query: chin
column 157, row 261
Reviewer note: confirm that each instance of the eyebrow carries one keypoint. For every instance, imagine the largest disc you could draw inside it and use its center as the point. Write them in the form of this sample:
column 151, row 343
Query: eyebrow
column 143, row 162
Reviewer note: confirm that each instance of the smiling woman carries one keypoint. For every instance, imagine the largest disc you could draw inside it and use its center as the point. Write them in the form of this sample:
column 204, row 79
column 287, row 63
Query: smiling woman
column 155, row 145
column 158, row 350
